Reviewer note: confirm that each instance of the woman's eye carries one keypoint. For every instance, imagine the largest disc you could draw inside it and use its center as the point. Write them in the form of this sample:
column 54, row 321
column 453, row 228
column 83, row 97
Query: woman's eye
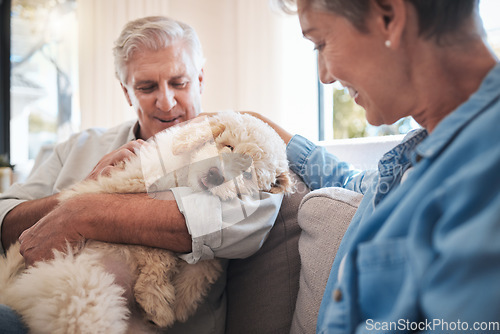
column 319, row 47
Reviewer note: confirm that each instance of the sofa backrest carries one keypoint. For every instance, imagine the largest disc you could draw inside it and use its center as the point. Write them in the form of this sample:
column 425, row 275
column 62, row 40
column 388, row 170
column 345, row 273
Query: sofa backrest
column 323, row 217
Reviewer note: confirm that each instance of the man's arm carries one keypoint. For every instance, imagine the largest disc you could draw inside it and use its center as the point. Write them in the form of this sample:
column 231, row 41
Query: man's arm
column 24, row 216
column 228, row 229
column 29, row 212
column 116, row 218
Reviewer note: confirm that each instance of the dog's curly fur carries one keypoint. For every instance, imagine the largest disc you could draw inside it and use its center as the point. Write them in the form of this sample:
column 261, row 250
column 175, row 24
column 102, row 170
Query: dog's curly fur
column 91, row 290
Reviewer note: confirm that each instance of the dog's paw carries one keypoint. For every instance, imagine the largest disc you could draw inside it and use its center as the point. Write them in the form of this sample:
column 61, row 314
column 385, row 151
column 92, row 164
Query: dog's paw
column 157, row 310
column 157, row 303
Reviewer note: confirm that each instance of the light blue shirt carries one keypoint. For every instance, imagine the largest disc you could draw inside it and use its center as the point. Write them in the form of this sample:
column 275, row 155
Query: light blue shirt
column 422, row 252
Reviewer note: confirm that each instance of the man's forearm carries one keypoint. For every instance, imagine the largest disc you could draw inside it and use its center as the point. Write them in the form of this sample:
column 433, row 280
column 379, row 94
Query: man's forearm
column 117, row 218
column 24, row 216
column 135, row 219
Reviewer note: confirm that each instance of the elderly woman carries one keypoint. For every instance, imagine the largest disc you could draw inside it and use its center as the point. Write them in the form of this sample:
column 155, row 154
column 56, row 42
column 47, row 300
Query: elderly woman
column 422, row 252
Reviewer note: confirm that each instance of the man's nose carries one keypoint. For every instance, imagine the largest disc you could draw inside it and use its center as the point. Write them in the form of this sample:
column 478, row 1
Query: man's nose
column 166, row 99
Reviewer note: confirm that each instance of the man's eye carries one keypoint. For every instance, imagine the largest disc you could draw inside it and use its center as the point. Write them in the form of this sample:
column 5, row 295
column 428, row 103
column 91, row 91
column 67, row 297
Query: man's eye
column 146, row 89
column 180, row 84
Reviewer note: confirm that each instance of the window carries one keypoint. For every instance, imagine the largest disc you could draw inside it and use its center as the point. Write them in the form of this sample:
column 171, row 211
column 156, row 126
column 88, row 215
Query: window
column 489, row 9
column 348, row 119
column 43, row 77
column 4, row 76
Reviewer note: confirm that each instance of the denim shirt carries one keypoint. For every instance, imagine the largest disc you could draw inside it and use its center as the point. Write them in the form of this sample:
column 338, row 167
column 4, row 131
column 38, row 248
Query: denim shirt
column 422, row 252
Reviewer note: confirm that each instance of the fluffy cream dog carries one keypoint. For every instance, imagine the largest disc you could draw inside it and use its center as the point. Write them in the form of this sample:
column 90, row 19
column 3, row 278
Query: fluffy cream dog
column 90, row 290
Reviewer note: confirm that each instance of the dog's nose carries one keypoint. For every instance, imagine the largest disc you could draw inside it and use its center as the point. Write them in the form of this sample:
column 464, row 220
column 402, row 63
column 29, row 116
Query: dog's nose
column 215, row 177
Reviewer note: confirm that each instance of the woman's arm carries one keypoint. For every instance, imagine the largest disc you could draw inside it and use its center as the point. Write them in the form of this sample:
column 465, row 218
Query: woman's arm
column 285, row 135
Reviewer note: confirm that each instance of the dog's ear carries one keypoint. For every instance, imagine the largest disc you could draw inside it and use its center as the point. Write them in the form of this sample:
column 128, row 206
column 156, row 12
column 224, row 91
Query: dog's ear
column 217, row 127
column 283, row 183
column 191, row 136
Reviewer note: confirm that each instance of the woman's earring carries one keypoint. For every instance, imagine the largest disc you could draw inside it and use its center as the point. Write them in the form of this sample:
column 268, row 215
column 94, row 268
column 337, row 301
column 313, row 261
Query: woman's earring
column 388, row 43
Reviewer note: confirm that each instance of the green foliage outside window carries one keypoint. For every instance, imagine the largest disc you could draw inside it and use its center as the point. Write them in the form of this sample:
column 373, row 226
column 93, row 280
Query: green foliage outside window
column 349, row 120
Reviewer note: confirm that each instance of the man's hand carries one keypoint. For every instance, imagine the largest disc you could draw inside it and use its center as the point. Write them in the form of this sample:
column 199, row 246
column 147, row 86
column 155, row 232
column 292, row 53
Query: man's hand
column 113, row 159
column 52, row 232
column 117, row 218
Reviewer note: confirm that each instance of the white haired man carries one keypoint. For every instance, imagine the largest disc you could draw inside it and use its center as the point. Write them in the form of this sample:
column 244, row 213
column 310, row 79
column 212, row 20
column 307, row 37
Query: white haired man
column 158, row 62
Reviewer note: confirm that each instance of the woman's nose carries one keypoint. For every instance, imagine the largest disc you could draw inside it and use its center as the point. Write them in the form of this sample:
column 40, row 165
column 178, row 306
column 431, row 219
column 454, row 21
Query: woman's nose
column 324, row 74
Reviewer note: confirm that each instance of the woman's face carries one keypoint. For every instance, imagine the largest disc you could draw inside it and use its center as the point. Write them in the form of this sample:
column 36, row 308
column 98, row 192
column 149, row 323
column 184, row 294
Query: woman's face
column 360, row 61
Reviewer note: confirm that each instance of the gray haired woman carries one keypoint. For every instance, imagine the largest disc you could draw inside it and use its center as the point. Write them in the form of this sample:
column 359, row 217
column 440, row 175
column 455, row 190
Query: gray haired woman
column 422, row 251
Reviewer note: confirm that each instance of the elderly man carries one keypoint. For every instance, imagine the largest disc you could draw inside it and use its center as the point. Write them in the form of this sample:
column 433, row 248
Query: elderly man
column 159, row 64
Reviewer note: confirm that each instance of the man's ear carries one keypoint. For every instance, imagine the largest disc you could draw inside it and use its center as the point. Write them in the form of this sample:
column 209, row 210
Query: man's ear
column 125, row 91
column 201, row 80
column 391, row 18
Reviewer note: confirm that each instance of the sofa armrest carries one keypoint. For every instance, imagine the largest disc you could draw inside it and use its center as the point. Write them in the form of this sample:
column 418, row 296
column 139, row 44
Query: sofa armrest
column 324, row 216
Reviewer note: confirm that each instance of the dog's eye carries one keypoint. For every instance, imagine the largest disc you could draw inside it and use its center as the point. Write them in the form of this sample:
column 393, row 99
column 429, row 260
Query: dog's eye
column 247, row 175
column 230, row 147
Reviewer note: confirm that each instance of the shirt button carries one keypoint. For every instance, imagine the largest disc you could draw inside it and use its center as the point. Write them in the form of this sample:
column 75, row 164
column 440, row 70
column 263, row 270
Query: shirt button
column 337, row 295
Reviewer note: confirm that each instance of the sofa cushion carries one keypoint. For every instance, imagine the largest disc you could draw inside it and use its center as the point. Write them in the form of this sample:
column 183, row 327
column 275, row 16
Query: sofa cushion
column 324, row 215
column 262, row 289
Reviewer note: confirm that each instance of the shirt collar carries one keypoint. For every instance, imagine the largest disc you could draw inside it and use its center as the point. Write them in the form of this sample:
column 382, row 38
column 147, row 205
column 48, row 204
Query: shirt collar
column 133, row 131
column 452, row 124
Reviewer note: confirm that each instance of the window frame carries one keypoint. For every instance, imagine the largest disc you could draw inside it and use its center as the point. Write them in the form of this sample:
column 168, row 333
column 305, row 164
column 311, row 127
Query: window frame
column 5, row 30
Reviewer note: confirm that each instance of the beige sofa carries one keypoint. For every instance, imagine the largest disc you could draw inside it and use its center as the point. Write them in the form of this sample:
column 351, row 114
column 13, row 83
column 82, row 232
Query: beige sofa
column 279, row 289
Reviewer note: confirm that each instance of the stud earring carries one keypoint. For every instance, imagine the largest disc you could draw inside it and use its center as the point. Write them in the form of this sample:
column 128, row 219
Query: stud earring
column 388, row 43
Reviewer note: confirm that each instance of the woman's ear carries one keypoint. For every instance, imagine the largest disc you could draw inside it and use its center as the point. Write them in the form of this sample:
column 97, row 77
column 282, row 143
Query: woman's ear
column 125, row 91
column 391, row 18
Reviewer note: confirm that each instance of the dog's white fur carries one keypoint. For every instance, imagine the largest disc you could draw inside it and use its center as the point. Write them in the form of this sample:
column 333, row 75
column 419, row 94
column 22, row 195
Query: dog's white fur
column 109, row 288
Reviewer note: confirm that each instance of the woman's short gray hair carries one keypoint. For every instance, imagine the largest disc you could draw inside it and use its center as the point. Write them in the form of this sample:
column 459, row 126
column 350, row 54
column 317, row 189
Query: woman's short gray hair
column 354, row 10
column 436, row 18
column 153, row 33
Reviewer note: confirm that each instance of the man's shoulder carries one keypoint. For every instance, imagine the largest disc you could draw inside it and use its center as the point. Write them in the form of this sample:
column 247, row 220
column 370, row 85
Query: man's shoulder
column 98, row 138
column 123, row 128
column 101, row 133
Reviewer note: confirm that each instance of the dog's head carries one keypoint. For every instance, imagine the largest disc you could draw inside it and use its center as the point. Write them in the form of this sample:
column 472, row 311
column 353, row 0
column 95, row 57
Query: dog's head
column 233, row 154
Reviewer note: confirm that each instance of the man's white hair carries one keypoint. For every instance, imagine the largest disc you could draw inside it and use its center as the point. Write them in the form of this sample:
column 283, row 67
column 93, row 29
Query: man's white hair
column 154, row 33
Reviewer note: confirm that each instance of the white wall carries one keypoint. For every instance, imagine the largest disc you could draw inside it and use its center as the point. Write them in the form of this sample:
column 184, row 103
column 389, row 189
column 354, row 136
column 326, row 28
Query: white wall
column 101, row 99
column 256, row 59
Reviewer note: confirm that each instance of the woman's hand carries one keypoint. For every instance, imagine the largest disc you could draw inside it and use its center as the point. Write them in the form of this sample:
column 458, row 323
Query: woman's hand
column 113, row 159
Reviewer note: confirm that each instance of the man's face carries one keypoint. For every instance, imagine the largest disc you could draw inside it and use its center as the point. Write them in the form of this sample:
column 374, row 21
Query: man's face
column 164, row 88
